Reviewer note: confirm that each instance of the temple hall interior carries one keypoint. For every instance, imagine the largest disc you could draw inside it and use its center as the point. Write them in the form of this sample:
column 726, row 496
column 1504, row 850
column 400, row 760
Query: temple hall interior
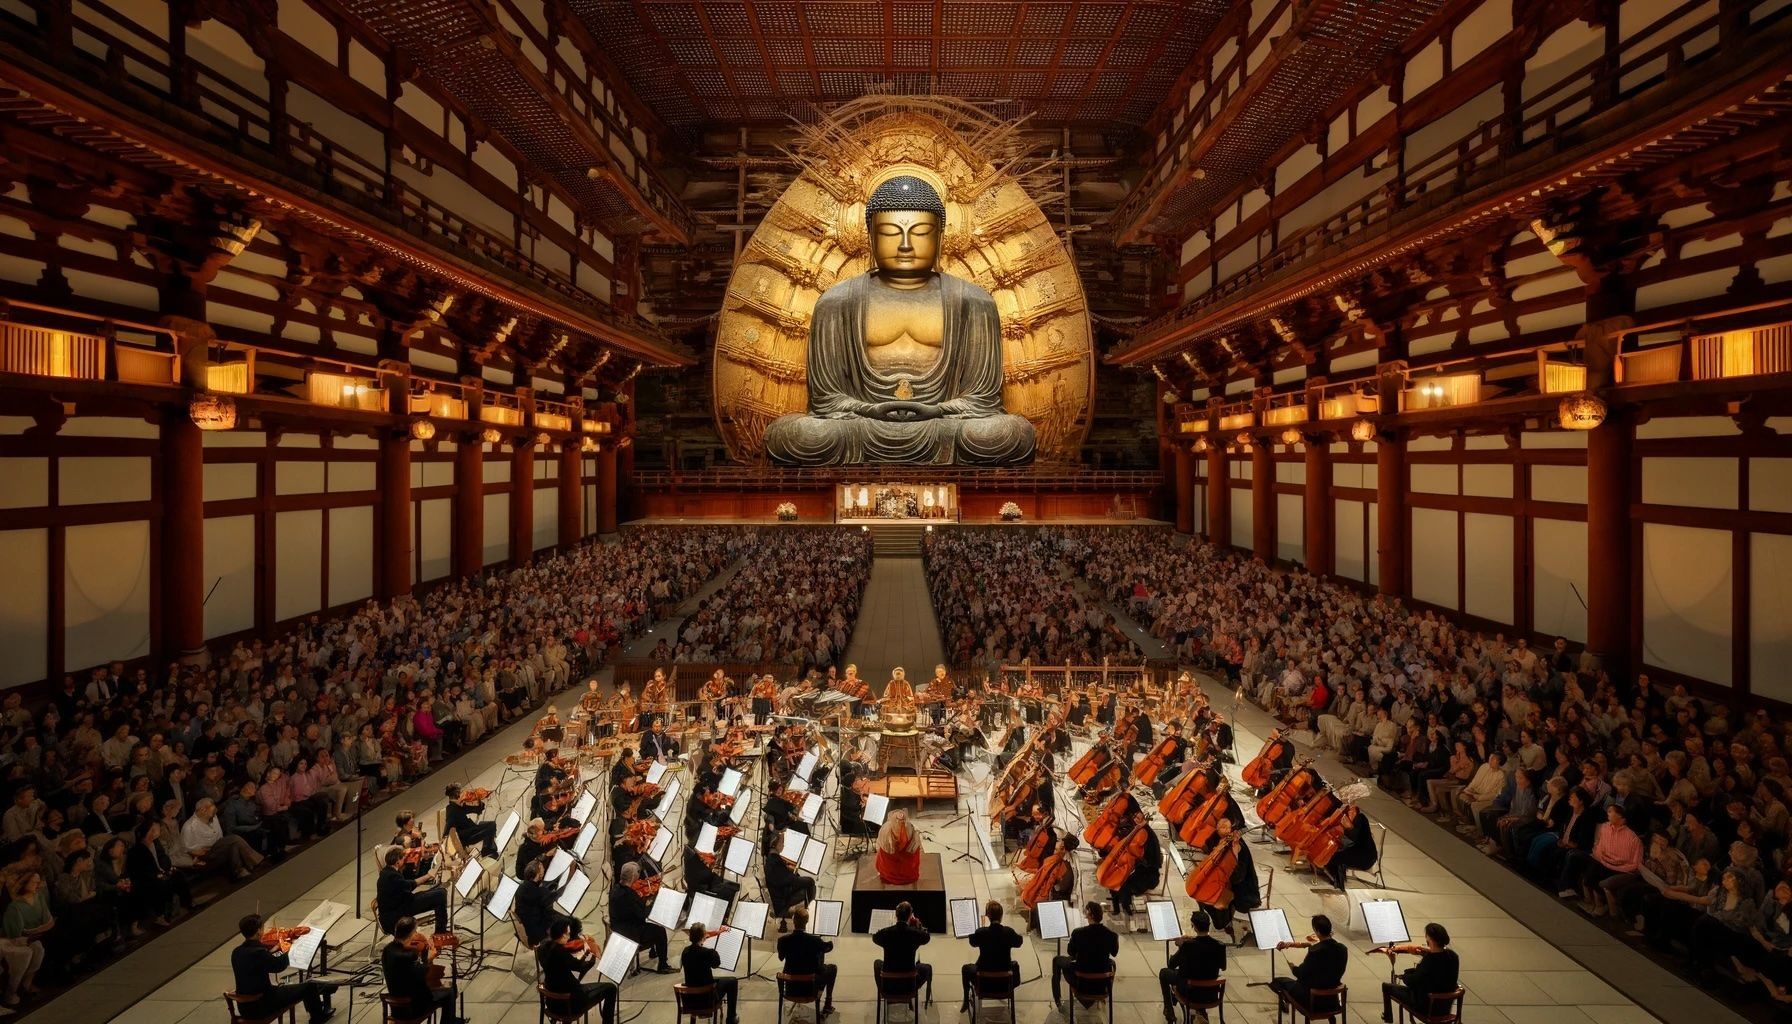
column 896, row 511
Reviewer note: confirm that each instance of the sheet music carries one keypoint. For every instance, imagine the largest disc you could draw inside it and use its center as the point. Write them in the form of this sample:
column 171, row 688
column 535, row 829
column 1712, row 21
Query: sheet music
column 618, row 956
column 662, row 841
column 824, row 917
column 882, row 918
column 877, row 806
column 706, row 838
column 965, row 917
column 740, row 855
column 811, row 809
column 1271, row 927
column 1054, row 919
column 666, row 801
column 727, row 946
column 502, row 897
column 1164, row 925
column 559, row 865
column 668, row 905
column 581, row 811
column 587, row 836
column 576, row 885
column 304, row 950
column 813, row 851
column 707, row 911
column 730, row 784
column 791, row 843
column 749, row 917
column 469, row 877
column 1386, row 922
column 741, row 803
column 806, row 766
column 797, row 784
column 655, row 772
column 507, row 831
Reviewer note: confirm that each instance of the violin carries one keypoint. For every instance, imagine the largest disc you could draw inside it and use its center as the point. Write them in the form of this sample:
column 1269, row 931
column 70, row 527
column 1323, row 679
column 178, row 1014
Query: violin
column 558, row 836
column 1257, row 772
column 418, row 854
column 425, row 947
column 280, row 940
column 1120, row 861
column 1211, row 881
column 639, row 834
column 1044, row 882
column 586, row 943
column 474, row 796
column 646, row 888
column 716, row 801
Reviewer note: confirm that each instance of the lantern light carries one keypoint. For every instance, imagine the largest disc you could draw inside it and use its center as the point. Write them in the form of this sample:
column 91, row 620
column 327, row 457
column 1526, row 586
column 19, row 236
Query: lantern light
column 422, row 429
column 212, row 412
column 490, row 435
column 1362, row 430
column 1291, row 436
column 1201, row 445
column 1581, row 411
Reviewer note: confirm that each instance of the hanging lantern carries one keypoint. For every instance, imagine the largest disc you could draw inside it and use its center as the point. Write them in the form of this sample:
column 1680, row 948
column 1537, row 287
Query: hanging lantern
column 1362, row 430
column 490, row 435
column 590, row 444
column 1581, row 411
column 1170, row 398
column 1201, row 445
column 1244, row 440
column 212, row 412
column 541, row 439
column 422, row 429
column 1291, row 437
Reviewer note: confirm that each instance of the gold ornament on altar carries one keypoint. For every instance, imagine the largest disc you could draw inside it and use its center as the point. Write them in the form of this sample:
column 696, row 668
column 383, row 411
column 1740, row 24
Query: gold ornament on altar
column 996, row 236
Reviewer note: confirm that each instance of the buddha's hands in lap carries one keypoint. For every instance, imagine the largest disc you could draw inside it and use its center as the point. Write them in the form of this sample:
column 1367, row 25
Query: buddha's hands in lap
column 904, row 412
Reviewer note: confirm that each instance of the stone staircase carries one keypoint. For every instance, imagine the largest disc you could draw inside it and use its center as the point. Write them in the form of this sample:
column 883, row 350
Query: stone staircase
column 897, row 540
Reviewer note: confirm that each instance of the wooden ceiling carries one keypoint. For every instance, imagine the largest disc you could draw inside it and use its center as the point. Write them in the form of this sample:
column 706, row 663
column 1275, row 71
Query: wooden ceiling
column 698, row 62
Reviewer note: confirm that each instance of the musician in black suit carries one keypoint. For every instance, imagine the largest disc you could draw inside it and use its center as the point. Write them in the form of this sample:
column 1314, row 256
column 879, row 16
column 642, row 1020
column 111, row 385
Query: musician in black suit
column 460, row 822
column 1323, row 967
column 805, row 954
column 400, row 896
column 656, row 744
column 407, row 975
column 700, row 877
column 994, row 943
column 700, row 963
column 1436, row 972
column 535, row 901
column 1198, row 957
column 255, row 965
column 1146, row 872
column 1092, row 951
column 899, row 943
column 628, row 915
column 562, row 970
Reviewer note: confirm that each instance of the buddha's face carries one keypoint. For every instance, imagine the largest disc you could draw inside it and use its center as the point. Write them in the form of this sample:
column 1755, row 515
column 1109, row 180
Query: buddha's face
column 905, row 243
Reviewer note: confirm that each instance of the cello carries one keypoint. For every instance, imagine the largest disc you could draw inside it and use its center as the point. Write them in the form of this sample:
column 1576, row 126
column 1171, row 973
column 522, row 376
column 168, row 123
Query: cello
column 1039, row 888
column 1258, row 771
column 1147, row 770
column 1118, row 865
column 1210, row 884
column 1327, row 839
column 1086, row 766
column 1033, row 855
column 1192, row 787
column 1198, row 828
column 1296, row 829
column 1286, row 795
column 1104, row 828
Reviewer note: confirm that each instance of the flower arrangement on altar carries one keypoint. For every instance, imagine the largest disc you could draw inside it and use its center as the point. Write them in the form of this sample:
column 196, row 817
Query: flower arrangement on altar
column 786, row 512
column 1010, row 512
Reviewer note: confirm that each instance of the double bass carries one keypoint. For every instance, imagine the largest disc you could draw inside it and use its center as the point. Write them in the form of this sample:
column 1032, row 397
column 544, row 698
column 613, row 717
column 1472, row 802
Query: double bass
column 1257, row 772
column 1118, row 865
column 1211, row 881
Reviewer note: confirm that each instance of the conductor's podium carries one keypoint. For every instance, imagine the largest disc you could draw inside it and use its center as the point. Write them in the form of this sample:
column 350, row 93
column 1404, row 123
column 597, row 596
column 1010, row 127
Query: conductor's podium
column 927, row 894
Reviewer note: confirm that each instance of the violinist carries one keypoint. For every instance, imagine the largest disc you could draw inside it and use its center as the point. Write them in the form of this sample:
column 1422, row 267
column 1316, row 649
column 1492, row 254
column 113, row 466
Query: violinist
column 655, row 744
column 401, row 897
column 852, row 808
column 1246, row 896
column 564, row 960
column 785, row 888
column 1198, row 957
column 1148, row 863
column 460, row 821
column 1092, row 951
column 535, row 901
column 805, row 955
column 900, row 942
column 995, row 944
column 628, row 915
column 1434, row 974
column 409, row 837
column 1323, row 967
column 700, row 963
column 255, row 966
column 405, row 963
column 700, row 875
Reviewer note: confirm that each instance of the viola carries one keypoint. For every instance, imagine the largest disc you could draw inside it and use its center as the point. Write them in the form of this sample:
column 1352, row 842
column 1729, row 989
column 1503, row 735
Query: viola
column 1211, row 881
column 1198, row 829
column 1147, row 771
column 646, row 888
column 1257, row 772
column 1040, row 887
column 1185, row 794
column 1114, row 868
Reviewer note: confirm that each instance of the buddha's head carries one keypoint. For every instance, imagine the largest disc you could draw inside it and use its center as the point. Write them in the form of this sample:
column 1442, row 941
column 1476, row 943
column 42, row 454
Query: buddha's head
column 905, row 217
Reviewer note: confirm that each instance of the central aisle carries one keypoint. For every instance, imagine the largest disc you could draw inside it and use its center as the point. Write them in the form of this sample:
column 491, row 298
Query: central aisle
column 896, row 624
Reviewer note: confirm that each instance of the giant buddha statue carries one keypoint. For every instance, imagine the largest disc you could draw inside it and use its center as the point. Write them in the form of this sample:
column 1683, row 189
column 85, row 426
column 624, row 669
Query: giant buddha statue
column 905, row 362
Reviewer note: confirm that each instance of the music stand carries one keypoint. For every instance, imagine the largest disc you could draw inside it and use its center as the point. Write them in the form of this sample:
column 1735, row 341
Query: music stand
column 1387, row 925
column 1054, row 921
column 1268, row 927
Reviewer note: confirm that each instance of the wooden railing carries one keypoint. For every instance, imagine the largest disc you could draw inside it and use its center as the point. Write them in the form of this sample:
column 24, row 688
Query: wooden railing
column 42, row 352
column 768, row 478
column 1746, row 353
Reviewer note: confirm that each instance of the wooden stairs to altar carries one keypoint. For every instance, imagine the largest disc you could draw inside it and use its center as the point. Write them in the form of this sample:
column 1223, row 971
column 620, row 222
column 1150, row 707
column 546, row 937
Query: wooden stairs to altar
column 897, row 540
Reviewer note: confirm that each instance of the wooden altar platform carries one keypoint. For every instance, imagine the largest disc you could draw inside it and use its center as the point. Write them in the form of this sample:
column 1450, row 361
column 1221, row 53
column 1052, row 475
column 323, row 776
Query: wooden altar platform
column 928, row 786
column 926, row 894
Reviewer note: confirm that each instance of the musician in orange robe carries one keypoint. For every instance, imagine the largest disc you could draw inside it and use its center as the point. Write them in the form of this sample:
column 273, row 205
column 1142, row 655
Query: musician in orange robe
column 898, row 851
